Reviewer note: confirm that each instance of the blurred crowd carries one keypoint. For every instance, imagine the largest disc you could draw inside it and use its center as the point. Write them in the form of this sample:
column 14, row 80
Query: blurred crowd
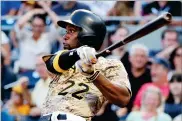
column 155, row 75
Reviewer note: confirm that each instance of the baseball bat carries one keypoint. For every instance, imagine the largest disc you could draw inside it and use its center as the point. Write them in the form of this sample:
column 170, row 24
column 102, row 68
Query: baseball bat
column 66, row 61
column 153, row 25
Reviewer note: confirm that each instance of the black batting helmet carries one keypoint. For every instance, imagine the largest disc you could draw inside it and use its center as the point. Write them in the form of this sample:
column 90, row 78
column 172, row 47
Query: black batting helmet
column 92, row 27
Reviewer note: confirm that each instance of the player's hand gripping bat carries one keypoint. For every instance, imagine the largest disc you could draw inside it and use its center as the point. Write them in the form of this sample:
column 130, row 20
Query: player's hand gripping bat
column 68, row 58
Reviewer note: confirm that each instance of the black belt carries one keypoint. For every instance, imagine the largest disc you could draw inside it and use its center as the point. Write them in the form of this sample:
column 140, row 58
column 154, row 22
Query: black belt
column 48, row 117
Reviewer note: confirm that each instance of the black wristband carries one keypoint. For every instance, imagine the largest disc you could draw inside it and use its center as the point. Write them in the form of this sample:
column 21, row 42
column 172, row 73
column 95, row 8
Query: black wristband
column 93, row 77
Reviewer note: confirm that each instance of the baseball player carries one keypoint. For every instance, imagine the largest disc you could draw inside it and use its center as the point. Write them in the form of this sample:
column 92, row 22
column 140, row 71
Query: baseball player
column 77, row 94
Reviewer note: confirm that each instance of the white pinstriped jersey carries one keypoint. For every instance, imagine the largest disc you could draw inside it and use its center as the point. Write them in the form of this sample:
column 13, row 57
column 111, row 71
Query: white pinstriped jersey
column 71, row 92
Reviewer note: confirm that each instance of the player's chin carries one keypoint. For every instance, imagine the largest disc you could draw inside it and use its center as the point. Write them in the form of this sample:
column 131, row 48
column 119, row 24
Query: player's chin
column 67, row 47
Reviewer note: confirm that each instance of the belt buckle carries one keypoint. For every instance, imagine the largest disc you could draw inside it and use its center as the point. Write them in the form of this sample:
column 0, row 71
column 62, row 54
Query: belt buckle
column 62, row 117
column 56, row 116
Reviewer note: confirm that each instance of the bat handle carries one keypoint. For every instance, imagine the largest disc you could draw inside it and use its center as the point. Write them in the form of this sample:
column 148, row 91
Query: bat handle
column 108, row 50
column 103, row 53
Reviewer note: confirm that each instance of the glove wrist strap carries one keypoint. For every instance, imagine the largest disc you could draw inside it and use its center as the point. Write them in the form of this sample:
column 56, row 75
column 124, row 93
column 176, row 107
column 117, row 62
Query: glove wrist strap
column 94, row 76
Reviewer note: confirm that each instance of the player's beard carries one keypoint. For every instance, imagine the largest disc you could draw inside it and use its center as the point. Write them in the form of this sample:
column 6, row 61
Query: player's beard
column 67, row 46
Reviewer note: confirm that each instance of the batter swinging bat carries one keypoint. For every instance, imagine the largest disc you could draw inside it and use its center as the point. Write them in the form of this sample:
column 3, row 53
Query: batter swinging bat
column 68, row 59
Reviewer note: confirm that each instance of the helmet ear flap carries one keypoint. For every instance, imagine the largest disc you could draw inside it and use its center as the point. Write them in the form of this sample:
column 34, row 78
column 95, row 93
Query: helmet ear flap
column 89, row 39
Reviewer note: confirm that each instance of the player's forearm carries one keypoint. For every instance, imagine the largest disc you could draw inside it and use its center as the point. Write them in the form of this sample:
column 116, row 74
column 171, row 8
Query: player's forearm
column 115, row 94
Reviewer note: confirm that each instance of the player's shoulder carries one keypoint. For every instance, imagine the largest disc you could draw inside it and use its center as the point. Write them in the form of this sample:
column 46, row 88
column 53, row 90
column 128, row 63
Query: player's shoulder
column 105, row 63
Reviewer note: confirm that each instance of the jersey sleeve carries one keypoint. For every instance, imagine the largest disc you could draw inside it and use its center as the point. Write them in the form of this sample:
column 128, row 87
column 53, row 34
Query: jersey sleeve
column 116, row 73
